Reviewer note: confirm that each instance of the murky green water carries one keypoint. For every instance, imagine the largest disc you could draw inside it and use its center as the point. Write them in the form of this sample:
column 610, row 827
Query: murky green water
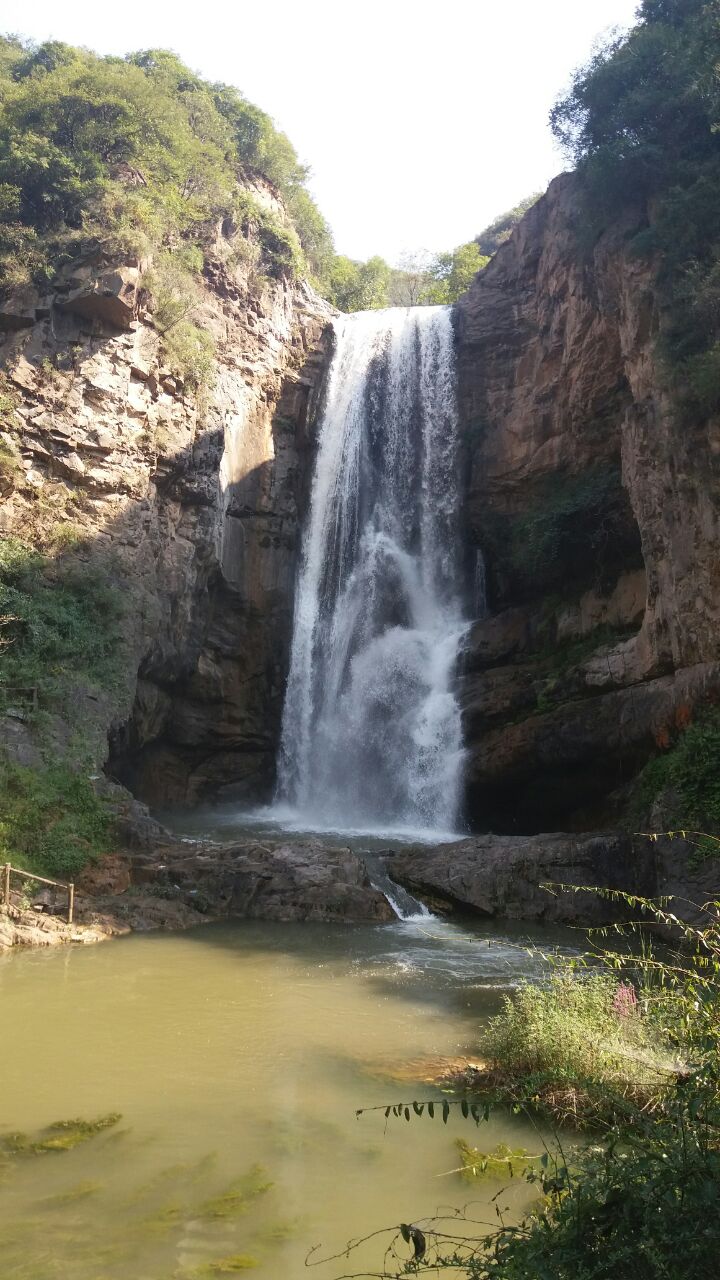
column 237, row 1055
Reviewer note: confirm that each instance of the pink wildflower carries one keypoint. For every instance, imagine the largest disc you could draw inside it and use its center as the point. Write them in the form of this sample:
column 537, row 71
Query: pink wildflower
column 625, row 1000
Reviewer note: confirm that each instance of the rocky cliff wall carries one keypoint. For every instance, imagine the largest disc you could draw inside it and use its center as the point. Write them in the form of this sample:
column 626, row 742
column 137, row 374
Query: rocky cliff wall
column 596, row 509
column 191, row 508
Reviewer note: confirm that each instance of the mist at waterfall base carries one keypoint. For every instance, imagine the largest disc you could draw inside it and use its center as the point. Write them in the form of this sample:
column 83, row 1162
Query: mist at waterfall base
column 371, row 734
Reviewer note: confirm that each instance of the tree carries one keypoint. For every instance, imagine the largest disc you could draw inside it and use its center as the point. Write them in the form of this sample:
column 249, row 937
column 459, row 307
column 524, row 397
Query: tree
column 358, row 286
column 642, row 123
column 410, row 279
column 451, row 274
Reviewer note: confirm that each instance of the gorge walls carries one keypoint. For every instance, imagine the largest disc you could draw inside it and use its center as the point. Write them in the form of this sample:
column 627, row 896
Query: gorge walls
column 592, row 502
column 190, row 508
column 596, row 508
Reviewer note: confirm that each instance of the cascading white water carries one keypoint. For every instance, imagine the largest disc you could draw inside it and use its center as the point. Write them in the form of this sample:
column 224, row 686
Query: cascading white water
column 371, row 735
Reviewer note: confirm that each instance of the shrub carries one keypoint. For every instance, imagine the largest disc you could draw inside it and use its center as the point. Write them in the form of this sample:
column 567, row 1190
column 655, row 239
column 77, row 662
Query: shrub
column 58, row 622
column 642, row 1202
column 173, row 290
column 51, row 820
column 137, row 152
column 582, row 1029
column 190, row 353
column 10, row 467
column 281, row 251
column 501, row 228
column 641, row 122
column 690, row 770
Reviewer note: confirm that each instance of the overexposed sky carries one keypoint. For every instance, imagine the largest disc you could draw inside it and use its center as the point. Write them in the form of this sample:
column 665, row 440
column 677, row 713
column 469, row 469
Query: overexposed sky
column 420, row 121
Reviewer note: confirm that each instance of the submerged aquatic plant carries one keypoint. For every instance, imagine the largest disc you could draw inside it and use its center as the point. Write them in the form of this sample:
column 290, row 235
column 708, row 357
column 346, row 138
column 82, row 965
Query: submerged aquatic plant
column 61, row 1135
column 238, row 1197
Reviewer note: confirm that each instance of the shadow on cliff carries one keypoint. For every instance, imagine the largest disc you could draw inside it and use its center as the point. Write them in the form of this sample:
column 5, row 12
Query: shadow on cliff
column 205, row 580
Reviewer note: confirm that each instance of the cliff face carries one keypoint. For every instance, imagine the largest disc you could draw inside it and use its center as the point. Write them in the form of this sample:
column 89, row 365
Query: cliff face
column 591, row 513
column 194, row 508
column 596, row 510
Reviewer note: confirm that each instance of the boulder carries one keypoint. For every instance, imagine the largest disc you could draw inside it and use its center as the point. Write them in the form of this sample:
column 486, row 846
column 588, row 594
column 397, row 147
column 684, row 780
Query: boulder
column 293, row 880
column 519, row 877
column 108, row 296
column 18, row 309
column 507, row 876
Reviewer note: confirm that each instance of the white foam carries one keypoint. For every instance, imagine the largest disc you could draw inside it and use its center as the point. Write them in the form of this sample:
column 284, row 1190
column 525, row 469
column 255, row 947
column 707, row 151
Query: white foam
column 371, row 737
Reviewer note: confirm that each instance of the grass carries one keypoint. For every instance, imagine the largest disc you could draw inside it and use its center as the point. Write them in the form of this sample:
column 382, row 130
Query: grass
column 688, row 773
column 51, row 820
column 582, row 1046
column 60, row 620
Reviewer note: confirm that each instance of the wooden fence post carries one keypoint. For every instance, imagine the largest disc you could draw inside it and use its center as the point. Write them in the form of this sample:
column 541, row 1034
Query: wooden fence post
column 6, row 885
column 71, row 902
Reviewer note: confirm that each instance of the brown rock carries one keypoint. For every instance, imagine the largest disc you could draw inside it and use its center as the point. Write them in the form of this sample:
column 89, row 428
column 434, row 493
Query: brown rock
column 18, row 309
column 106, row 878
column 520, row 877
column 108, row 296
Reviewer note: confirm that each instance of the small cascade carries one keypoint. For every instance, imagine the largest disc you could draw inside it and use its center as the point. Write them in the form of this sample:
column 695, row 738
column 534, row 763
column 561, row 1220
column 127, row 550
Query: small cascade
column 405, row 906
column 371, row 735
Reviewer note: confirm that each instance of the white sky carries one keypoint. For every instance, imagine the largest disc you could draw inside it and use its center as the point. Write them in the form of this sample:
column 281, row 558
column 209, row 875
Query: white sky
column 420, row 121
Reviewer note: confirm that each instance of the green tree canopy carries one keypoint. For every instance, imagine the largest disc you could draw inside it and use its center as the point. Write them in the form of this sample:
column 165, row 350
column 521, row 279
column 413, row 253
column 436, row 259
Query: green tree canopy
column 452, row 273
column 358, row 286
column 139, row 147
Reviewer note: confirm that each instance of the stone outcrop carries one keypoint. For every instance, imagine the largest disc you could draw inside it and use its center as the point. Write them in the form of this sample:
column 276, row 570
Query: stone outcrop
column 173, row 886
column 191, row 504
column 597, row 510
column 251, row 880
column 519, row 877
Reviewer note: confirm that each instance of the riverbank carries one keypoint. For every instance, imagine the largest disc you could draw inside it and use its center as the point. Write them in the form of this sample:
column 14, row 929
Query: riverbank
column 178, row 885
column 172, row 883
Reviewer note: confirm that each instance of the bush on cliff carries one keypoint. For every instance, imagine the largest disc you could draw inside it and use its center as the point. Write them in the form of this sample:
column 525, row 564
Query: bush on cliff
column 51, row 820
column 60, row 623
column 687, row 773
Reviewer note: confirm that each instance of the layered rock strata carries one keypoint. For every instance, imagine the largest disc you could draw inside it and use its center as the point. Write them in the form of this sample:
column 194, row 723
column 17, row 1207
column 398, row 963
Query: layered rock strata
column 596, row 509
column 182, row 885
column 191, row 504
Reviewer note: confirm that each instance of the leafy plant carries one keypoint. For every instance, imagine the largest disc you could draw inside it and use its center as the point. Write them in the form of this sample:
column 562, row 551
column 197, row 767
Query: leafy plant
column 690, row 770
column 51, row 820
column 137, row 152
column 58, row 621
column 642, row 1201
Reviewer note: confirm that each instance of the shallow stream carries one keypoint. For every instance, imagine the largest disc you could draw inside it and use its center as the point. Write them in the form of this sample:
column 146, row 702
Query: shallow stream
column 237, row 1055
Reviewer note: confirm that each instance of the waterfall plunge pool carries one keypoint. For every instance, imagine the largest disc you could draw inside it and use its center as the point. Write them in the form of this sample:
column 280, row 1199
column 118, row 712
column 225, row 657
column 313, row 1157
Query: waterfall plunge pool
column 237, row 1055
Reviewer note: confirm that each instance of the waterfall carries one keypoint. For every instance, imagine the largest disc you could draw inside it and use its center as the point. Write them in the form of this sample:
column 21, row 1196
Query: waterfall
column 481, row 603
column 371, row 734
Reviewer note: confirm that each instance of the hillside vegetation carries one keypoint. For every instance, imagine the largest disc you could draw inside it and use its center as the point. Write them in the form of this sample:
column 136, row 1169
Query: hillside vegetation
column 141, row 153
column 147, row 157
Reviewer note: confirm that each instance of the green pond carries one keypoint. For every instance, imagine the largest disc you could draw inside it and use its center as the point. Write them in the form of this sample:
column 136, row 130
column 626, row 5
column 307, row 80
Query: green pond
column 236, row 1056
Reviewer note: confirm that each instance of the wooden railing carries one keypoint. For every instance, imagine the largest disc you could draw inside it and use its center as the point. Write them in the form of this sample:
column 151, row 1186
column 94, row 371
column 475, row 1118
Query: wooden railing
column 9, row 871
